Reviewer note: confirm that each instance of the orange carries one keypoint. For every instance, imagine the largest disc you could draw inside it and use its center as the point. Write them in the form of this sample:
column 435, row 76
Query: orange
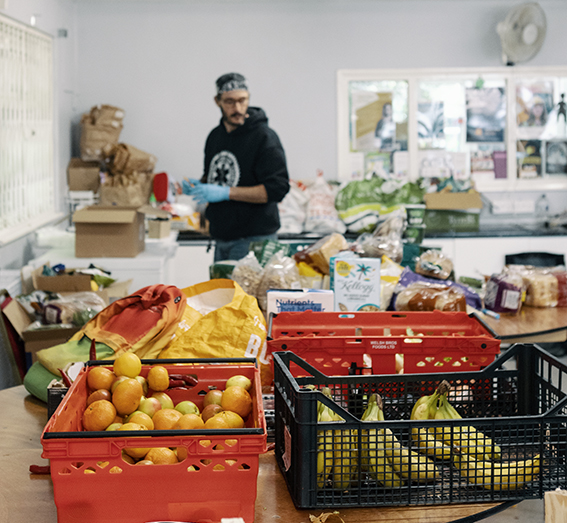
column 127, row 364
column 237, row 399
column 141, row 418
column 189, row 421
column 165, row 419
column 158, row 378
column 100, row 378
column 181, row 453
column 145, row 462
column 232, row 418
column 136, row 453
column 126, row 396
column 99, row 415
column 128, row 459
column 217, row 422
column 161, row 456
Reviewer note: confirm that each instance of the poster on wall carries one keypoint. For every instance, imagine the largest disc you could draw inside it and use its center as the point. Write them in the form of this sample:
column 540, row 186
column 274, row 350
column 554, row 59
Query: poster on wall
column 534, row 102
column 486, row 114
column 556, row 157
column 431, row 125
column 529, row 158
column 373, row 127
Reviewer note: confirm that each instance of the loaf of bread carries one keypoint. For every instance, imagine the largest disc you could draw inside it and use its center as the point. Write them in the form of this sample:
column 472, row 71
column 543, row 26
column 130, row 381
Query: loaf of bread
column 428, row 297
column 541, row 289
column 434, row 264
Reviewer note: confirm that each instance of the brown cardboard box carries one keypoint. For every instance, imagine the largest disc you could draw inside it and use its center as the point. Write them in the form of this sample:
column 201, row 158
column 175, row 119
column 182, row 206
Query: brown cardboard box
column 83, row 176
column 453, row 200
column 159, row 228
column 108, row 231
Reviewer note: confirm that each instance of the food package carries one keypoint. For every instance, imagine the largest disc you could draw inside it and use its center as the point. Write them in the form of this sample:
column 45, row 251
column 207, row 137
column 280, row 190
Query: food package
column 129, row 190
column 422, row 296
column 100, row 132
column 390, row 273
column 356, row 282
column 321, row 215
column 386, row 240
column 310, row 278
column 279, row 273
column 504, row 292
column 541, row 288
column 434, row 264
column 127, row 159
column 247, row 273
column 319, row 254
column 561, row 277
column 76, row 309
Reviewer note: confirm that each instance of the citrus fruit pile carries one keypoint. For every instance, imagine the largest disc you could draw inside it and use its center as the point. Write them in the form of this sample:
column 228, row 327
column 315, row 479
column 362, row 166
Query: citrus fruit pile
column 122, row 399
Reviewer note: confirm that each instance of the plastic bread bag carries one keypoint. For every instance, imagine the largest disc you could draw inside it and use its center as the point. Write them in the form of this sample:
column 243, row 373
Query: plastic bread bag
column 434, row 264
column 390, row 273
column 292, row 209
column 503, row 293
column 408, row 277
column 77, row 308
column 541, row 288
column 424, row 296
column 247, row 273
column 386, row 238
column 279, row 273
column 561, row 277
column 319, row 254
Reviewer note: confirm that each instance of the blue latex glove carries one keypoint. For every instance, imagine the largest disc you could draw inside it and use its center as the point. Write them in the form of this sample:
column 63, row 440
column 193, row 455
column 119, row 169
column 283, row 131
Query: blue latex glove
column 208, row 193
column 189, row 185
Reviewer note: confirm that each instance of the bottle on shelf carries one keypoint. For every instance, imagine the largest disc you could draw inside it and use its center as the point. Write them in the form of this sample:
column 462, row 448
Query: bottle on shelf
column 542, row 208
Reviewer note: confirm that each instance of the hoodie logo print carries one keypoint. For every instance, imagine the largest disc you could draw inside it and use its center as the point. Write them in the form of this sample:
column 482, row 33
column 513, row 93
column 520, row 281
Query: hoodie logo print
column 224, row 169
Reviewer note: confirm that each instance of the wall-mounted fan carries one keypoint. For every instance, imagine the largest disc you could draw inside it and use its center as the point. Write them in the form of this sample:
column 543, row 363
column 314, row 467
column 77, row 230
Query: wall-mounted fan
column 522, row 33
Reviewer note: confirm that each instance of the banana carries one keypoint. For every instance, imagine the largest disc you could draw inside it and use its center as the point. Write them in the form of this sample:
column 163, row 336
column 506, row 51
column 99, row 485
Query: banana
column 373, row 454
column 426, row 439
column 407, row 463
column 467, row 438
column 324, row 446
column 497, row 476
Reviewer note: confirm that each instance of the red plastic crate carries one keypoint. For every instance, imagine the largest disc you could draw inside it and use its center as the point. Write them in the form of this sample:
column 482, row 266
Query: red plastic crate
column 93, row 484
column 334, row 342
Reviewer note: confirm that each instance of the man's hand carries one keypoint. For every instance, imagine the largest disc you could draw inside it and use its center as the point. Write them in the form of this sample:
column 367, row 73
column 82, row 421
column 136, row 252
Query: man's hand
column 205, row 192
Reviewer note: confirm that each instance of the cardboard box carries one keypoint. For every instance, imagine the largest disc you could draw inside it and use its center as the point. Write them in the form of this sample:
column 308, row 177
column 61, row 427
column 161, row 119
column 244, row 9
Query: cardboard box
column 83, row 176
column 109, row 231
column 453, row 200
column 159, row 228
column 289, row 300
column 356, row 283
column 444, row 220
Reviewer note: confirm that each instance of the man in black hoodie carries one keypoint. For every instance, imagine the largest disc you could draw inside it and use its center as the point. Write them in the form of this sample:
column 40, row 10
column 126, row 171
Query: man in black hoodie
column 245, row 173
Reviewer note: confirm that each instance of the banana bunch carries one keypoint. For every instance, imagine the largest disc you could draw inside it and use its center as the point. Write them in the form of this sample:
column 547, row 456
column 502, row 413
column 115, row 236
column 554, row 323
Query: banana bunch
column 373, row 451
column 439, row 441
column 497, row 476
column 407, row 463
column 324, row 445
column 426, row 439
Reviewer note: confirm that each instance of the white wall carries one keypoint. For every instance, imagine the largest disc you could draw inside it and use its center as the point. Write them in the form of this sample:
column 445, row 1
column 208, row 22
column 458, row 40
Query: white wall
column 158, row 60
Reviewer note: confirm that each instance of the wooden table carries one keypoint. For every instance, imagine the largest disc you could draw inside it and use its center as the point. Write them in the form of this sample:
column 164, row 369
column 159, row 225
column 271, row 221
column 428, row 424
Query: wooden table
column 531, row 325
column 26, row 497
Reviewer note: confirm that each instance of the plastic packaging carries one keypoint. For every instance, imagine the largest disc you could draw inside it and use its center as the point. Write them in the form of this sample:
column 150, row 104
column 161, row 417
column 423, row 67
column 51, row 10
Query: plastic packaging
column 247, row 273
column 77, row 308
column 423, row 296
column 504, row 292
column 321, row 215
column 320, row 253
column 434, row 264
column 279, row 273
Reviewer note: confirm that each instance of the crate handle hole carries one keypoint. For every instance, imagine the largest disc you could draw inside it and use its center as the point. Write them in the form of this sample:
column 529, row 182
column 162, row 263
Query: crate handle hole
column 102, row 464
column 115, row 470
column 77, row 464
column 231, row 462
column 244, row 466
column 64, row 472
column 206, row 462
column 193, row 468
column 89, row 470
column 218, row 447
column 346, row 316
column 413, row 340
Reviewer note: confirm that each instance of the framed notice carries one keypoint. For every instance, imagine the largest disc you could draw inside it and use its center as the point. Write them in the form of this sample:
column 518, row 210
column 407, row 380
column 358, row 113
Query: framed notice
column 556, row 157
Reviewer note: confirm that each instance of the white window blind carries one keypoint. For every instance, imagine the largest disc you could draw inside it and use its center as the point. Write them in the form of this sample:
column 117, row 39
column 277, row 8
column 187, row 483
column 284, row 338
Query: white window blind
column 27, row 178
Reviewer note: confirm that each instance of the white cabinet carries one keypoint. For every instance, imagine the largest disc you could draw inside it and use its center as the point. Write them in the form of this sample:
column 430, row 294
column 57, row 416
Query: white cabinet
column 191, row 264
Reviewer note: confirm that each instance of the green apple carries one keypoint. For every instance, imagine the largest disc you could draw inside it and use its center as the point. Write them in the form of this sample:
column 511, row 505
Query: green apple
column 114, row 426
column 150, row 406
column 143, row 382
column 212, row 397
column 187, row 407
column 241, row 381
column 164, row 399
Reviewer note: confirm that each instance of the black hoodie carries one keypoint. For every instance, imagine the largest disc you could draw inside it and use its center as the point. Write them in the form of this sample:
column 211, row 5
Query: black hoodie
column 250, row 155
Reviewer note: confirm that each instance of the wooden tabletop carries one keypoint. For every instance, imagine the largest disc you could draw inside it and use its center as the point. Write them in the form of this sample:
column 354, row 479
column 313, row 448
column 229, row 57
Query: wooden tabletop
column 530, row 325
column 26, row 497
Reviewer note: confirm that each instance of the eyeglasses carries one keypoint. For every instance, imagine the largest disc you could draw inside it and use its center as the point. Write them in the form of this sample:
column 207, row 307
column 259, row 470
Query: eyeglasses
column 232, row 102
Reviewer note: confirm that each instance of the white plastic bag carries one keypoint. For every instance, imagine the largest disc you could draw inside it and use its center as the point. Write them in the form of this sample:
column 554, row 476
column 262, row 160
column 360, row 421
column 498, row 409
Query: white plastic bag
column 322, row 217
column 292, row 209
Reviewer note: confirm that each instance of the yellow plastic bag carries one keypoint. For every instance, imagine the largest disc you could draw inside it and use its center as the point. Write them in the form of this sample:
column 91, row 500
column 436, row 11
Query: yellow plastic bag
column 221, row 321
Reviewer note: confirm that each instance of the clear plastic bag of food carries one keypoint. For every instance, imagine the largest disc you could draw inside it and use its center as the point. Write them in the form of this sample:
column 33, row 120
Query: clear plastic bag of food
column 390, row 273
column 279, row 273
column 503, row 292
column 541, row 286
column 422, row 296
column 319, row 254
column 386, row 240
column 77, row 308
column 247, row 273
column 434, row 264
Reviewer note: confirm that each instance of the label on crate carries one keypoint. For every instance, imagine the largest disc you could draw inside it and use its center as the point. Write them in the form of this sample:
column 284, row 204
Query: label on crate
column 289, row 300
column 286, row 457
column 356, row 283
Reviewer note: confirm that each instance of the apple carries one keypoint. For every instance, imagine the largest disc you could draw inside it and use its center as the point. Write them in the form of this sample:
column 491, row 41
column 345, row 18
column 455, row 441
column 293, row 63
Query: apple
column 210, row 410
column 150, row 406
column 144, row 383
column 164, row 399
column 241, row 381
column 187, row 407
column 212, row 397
column 114, row 426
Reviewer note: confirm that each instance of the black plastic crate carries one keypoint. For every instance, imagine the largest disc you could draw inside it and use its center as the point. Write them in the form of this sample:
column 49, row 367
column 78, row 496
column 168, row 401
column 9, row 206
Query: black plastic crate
column 518, row 402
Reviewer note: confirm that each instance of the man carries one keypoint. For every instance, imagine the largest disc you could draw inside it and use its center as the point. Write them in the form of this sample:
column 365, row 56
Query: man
column 245, row 173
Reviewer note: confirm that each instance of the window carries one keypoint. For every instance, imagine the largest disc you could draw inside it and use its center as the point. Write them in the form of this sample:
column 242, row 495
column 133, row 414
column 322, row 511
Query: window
column 504, row 128
column 27, row 177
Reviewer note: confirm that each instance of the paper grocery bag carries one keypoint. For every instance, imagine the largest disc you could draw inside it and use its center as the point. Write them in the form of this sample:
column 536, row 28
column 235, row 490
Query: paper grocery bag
column 221, row 321
column 126, row 190
column 128, row 159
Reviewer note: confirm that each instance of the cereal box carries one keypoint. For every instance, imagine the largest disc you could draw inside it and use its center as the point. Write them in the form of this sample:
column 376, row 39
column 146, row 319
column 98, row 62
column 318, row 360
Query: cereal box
column 356, row 283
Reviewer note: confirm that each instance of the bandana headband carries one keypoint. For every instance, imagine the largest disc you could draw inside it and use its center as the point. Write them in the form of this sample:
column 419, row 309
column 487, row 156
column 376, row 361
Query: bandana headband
column 232, row 83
